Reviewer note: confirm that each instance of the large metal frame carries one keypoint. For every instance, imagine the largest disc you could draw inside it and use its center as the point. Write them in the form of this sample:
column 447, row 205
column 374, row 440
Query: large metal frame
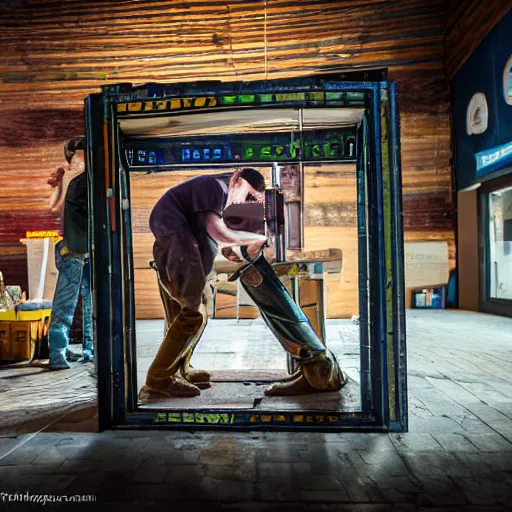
column 381, row 286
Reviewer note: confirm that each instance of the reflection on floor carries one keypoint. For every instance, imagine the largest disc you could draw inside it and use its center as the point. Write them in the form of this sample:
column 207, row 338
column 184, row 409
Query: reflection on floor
column 243, row 357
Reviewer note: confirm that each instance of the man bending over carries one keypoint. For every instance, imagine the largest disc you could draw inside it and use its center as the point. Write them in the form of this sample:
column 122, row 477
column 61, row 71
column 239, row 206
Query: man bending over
column 188, row 226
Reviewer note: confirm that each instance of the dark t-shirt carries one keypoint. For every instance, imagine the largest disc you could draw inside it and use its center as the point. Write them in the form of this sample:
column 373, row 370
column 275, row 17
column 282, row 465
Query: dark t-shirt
column 184, row 208
column 75, row 215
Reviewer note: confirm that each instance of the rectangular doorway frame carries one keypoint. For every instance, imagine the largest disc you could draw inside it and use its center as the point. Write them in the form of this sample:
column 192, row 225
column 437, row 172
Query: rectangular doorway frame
column 382, row 309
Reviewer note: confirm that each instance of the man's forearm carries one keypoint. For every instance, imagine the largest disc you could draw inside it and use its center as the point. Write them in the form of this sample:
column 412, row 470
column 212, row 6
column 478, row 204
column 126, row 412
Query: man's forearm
column 233, row 237
column 222, row 234
column 58, row 196
column 56, row 199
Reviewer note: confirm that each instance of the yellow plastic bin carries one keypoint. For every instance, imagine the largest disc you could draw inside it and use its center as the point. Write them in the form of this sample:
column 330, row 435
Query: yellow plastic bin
column 8, row 316
column 20, row 331
column 38, row 314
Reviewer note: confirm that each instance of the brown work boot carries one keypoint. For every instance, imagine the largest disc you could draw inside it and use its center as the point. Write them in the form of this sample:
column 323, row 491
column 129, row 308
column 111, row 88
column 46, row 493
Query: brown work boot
column 147, row 393
column 200, row 378
column 182, row 387
column 324, row 373
column 178, row 387
column 180, row 336
column 321, row 375
column 297, row 386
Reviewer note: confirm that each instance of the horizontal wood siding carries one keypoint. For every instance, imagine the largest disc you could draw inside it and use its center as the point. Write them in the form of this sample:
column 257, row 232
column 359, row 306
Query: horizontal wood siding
column 53, row 54
column 469, row 21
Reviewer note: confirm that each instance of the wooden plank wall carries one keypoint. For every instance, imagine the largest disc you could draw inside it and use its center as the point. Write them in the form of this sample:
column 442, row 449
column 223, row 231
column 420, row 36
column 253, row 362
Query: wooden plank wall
column 330, row 222
column 53, row 54
column 469, row 22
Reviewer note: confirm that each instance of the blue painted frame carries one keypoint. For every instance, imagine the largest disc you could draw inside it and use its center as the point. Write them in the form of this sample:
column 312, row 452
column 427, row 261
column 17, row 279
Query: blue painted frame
column 112, row 257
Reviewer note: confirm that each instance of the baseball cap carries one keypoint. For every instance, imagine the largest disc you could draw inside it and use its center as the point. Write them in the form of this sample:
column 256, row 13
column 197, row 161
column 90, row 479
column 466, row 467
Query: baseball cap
column 73, row 145
column 254, row 178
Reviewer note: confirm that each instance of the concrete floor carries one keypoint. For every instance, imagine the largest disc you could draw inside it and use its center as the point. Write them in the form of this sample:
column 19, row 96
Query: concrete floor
column 243, row 357
column 457, row 455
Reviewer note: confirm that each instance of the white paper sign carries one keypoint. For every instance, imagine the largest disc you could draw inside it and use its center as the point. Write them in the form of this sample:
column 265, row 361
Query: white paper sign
column 42, row 273
column 426, row 264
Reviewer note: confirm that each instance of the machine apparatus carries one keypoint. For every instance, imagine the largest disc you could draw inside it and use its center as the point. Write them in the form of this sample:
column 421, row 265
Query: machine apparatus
column 314, row 367
column 282, row 127
column 275, row 215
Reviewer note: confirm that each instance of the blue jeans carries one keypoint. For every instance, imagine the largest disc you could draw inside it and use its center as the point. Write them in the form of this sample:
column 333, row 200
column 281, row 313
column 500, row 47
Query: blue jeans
column 73, row 282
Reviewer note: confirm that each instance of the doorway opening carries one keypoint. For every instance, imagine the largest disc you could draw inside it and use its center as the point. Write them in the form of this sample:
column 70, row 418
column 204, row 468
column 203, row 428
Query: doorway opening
column 237, row 348
column 335, row 147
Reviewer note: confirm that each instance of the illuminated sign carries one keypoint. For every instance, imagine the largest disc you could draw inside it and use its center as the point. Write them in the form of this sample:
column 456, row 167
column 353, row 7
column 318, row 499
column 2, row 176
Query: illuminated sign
column 42, row 234
column 317, row 145
column 201, row 154
column 244, row 418
column 201, row 102
column 492, row 159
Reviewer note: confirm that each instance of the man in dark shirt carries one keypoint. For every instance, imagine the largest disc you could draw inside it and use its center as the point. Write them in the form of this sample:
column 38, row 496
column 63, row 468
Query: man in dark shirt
column 187, row 224
column 71, row 257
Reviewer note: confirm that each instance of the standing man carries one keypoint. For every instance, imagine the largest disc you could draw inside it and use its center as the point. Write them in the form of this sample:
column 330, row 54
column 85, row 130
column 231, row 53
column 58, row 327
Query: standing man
column 187, row 224
column 71, row 257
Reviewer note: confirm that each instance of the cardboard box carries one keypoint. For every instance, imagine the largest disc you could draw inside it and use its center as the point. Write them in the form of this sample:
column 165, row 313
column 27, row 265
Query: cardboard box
column 5, row 341
column 310, row 292
column 18, row 340
column 23, row 340
column 313, row 315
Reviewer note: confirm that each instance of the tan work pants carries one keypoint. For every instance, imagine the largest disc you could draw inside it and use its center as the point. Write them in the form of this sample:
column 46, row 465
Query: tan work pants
column 182, row 282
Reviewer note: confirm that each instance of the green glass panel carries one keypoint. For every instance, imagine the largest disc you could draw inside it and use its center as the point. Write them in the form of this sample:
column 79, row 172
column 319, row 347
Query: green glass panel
column 355, row 95
column 228, row 100
column 188, row 417
column 334, row 96
column 316, row 96
column 266, row 98
column 247, row 98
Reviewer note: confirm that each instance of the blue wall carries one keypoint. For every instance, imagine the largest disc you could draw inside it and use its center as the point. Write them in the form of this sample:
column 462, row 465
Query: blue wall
column 483, row 72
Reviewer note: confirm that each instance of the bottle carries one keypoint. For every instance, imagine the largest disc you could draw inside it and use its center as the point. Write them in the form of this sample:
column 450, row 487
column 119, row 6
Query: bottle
column 6, row 302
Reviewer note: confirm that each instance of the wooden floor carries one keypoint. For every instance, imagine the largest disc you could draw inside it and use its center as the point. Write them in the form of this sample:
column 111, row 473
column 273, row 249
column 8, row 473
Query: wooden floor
column 30, row 392
column 459, row 376
column 244, row 357
column 457, row 454
column 249, row 395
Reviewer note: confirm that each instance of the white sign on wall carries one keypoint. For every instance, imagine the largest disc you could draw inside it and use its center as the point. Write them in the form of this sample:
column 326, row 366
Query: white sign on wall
column 426, row 264
column 477, row 115
column 42, row 272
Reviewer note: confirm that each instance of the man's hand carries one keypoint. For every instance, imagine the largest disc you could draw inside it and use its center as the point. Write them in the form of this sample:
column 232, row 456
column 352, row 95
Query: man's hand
column 230, row 255
column 254, row 248
column 56, row 177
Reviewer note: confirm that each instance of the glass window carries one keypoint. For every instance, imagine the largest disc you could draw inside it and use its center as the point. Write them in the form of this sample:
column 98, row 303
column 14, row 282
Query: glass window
column 500, row 243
